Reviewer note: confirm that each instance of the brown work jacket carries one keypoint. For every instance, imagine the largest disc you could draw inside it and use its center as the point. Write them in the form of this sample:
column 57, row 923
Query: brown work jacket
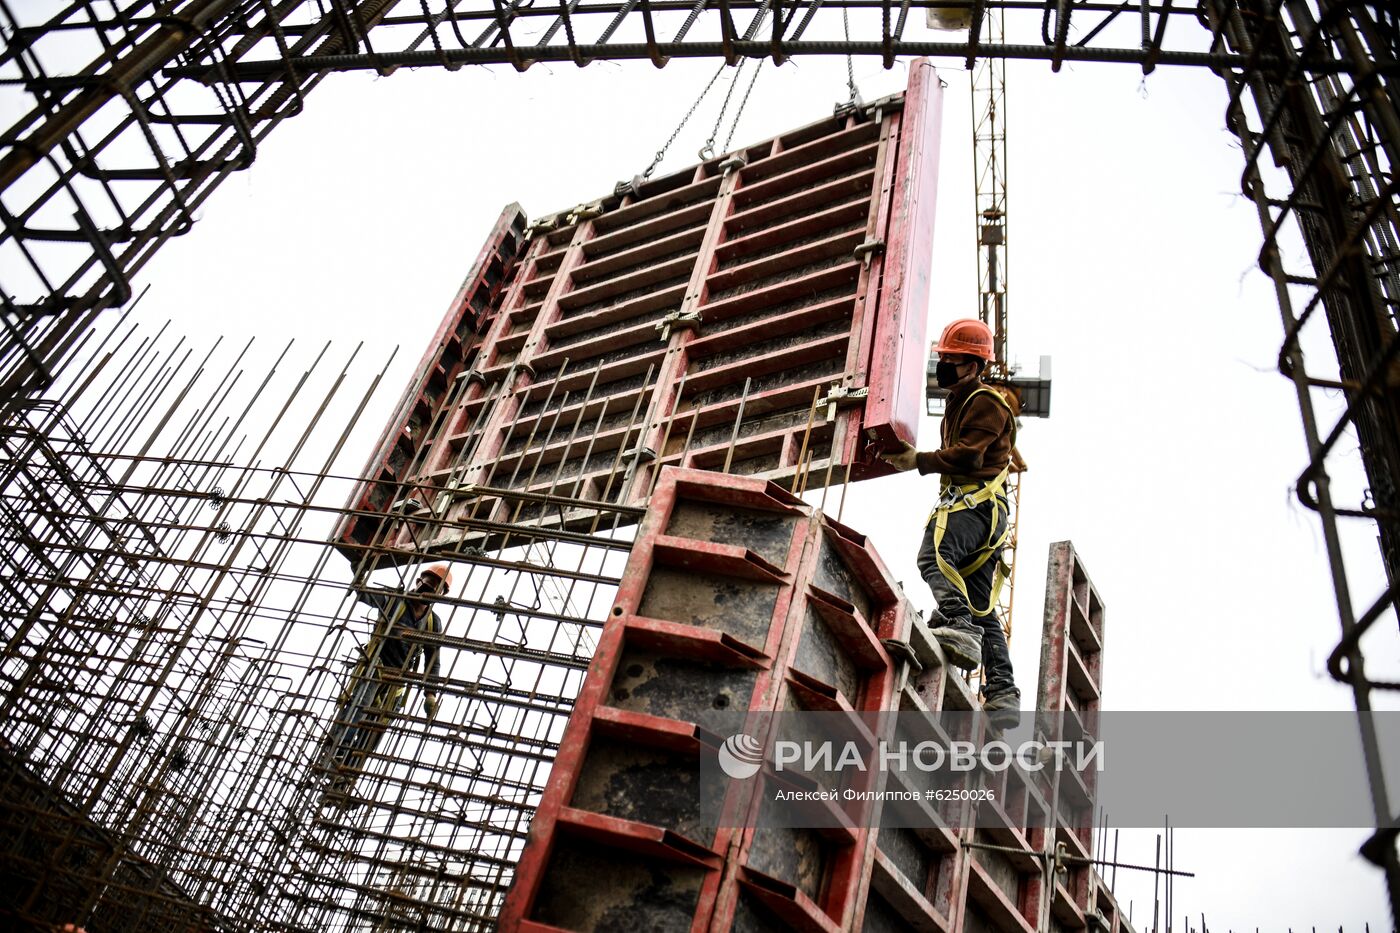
column 978, row 437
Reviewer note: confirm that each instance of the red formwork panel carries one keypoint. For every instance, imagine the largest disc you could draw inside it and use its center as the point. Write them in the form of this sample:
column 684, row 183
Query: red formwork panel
column 900, row 351
column 936, row 879
column 761, row 313
column 409, row 432
column 1068, row 698
column 738, row 595
column 933, row 881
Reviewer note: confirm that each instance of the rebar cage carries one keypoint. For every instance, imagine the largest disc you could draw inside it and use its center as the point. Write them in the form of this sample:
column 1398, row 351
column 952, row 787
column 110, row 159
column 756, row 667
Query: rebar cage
column 178, row 631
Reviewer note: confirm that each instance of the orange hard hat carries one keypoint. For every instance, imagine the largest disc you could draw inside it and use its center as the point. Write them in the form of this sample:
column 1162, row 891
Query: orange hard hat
column 969, row 336
column 442, row 571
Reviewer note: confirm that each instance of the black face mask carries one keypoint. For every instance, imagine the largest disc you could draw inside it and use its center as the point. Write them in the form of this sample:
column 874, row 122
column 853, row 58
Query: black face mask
column 946, row 373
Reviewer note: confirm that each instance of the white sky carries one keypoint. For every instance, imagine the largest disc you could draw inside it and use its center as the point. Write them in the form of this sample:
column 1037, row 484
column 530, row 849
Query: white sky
column 1174, row 442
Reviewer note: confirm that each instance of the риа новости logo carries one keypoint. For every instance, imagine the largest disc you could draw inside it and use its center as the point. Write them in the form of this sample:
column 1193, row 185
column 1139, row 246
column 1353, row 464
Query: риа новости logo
column 740, row 756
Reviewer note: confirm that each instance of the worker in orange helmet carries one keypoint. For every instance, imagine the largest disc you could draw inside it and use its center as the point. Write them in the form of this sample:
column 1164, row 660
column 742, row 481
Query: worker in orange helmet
column 377, row 684
column 960, row 556
column 401, row 612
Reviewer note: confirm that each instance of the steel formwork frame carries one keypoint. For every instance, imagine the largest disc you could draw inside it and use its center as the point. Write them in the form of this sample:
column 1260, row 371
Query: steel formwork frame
column 725, row 571
column 1069, row 695
column 760, row 313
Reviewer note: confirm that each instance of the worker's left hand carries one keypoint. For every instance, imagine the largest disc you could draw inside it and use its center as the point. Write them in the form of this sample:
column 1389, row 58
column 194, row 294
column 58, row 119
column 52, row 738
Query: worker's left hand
column 430, row 706
column 905, row 459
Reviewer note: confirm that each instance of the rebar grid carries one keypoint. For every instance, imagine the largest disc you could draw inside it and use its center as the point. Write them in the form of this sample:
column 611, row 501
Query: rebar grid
column 116, row 157
column 1331, row 235
column 177, row 631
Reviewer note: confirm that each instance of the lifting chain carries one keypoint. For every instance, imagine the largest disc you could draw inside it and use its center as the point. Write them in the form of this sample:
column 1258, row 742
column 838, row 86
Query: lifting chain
column 707, row 152
column 850, row 63
column 661, row 153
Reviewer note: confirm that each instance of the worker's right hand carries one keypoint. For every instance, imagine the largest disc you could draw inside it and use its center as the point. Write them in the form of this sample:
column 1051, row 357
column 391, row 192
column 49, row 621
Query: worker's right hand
column 905, row 459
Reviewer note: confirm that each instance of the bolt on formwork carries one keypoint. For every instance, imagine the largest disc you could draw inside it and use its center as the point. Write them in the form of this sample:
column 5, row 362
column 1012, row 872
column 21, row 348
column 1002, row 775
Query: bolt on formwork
column 748, row 613
column 758, row 313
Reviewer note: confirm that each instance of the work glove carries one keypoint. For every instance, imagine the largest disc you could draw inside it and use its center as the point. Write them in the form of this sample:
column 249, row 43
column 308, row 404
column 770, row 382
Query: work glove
column 430, row 706
column 905, row 459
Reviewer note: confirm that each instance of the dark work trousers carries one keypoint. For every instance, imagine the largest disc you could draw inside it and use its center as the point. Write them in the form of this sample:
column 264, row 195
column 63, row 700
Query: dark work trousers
column 965, row 534
column 349, row 733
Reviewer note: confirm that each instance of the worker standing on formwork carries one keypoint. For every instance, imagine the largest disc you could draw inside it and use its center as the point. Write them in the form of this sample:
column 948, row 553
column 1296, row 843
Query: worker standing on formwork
column 960, row 556
column 376, row 689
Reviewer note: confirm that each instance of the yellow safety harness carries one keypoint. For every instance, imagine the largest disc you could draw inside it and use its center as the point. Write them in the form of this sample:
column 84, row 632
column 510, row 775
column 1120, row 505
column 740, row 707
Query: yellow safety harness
column 956, row 496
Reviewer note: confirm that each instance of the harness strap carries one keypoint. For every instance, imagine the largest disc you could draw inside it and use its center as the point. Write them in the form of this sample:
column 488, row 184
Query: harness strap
column 387, row 696
column 956, row 497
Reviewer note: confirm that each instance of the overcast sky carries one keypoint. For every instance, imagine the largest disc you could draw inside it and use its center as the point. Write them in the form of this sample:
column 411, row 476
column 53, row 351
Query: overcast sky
column 1173, row 444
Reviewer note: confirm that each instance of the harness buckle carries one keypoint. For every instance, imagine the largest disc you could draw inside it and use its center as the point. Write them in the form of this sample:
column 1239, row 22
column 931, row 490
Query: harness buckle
column 953, row 496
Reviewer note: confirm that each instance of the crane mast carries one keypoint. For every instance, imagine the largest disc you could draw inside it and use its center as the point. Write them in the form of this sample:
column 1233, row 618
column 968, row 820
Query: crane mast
column 989, row 184
column 989, row 181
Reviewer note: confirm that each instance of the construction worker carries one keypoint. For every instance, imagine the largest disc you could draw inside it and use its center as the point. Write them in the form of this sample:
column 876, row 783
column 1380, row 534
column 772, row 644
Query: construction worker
column 376, row 688
column 960, row 556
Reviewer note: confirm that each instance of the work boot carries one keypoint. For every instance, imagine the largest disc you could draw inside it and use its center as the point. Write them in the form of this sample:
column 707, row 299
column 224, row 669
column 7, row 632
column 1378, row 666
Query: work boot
column 1003, row 710
column 963, row 646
